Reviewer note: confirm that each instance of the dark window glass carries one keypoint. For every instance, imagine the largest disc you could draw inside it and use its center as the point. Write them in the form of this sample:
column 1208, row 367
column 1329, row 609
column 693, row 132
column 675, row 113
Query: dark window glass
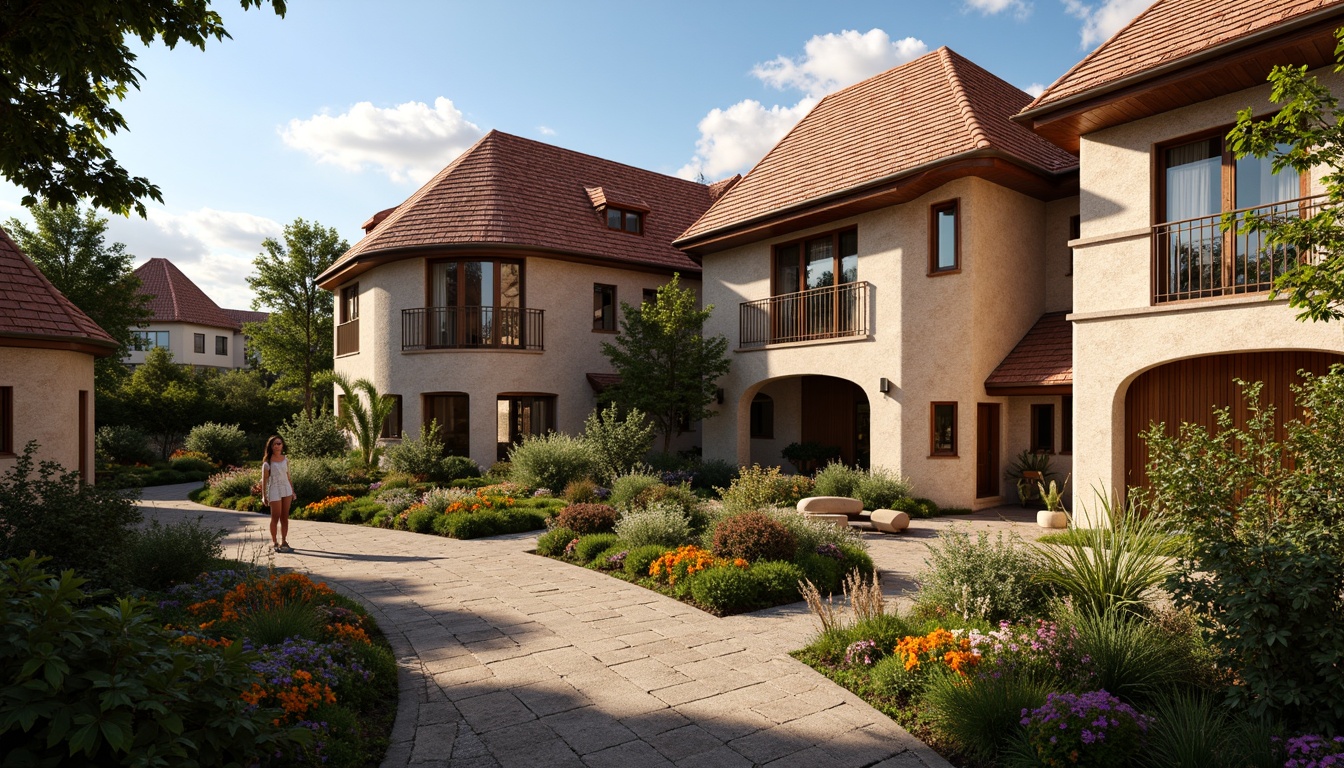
column 1043, row 428
column 521, row 416
column 392, row 424
column 944, row 442
column 604, row 307
column 762, row 416
column 613, row 218
column 632, row 222
column 198, row 343
column 650, row 296
column 6, row 419
column 946, row 253
column 350, row 303
column 143, row 340
column 221, row 345
column 1066, row 425
column 450, row 414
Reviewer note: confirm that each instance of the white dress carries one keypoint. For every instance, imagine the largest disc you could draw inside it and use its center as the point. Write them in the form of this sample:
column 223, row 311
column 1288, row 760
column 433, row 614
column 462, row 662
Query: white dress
column 277, row 486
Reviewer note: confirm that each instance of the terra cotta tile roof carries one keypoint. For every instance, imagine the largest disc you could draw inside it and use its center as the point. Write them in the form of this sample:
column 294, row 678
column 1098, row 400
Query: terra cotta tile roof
column 30, row 306
column 1170, row 30
column 600, row 382
column 507, row 190
column 241, row 316
column 1044, row 357
column 174, row 298
column 935, row 107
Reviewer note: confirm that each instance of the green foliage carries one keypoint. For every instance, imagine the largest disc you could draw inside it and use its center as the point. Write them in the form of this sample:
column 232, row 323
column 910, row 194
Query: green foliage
column 1130, row 657
column 1027, row 461
column 668, row 369
column 913, row 507
column 224, row 443
column 1116, row 565
column 854, row 558
column 313, row 437
column 106, row 685
column 812, row 533
column 724, row 588
column 838, row 479
column 890, row 677
column 714, row 473
column 491, row 522
column 754, row 536
column 295, row 341
column 776, row 581
column 422, row 520
column 456, row 468
column 592, row 545
column 617, row 442
column 760, row 488
column 362, row 413
column 1192, row 730
column 984, row 717
column 242, row 397
column 587, row 518
column 311, row 479
column 122, row 445
column 233, row 483
column 880, row 487
column 581, row 492
column 1265, row 564
column 638, row 559
column 419, row 457
column 982, row 579
column 553, row 542
column 163, row 398
column 663, row 523
column 551, row 461
column 274, row 624
column 824, row 572
column 191, row 464
column 53, row 513
column 626, row 489
column 161, row 555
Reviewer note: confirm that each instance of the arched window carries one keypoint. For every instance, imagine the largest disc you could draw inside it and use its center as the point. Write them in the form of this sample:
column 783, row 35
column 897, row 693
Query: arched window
column 762, row 416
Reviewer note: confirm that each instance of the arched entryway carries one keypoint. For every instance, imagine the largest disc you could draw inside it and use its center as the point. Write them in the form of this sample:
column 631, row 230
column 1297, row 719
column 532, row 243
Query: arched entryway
column 1187, row 391
column 822, row 409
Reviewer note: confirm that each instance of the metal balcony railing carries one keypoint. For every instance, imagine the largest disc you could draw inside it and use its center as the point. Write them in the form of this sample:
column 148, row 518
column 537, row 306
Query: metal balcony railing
column 472, row 328
column 831, row 312
column 1197, row 258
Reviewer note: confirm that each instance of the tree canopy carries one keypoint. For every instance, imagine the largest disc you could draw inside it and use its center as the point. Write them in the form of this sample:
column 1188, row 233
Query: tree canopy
column 668, row 368
column 295, row 342
column 63, row 64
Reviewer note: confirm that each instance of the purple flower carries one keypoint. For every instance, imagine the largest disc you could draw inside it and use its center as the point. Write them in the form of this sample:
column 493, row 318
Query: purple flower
column 831, row 551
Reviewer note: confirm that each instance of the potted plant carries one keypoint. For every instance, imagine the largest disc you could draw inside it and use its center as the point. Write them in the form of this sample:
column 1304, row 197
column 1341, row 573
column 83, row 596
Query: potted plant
column 808, row 457
column 1054, row 515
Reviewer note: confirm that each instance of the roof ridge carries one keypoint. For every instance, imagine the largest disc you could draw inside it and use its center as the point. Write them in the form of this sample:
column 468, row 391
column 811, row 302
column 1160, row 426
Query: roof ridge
column 1095, row 52
column 977, row 131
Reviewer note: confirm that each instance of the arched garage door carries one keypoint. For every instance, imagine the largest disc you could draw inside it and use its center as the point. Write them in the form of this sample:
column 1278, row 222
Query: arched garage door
column 1187, row 391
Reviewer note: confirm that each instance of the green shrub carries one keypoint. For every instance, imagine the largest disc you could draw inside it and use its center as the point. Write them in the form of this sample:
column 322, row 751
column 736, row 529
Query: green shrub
column 985, row 716
column 638, row 560
column 777, row 581
column 224, row 443
column 824, row 572
column 880, row 487
column 471, row 483
column 724, row 588
column 626, row 489
column 169, row 704
column 122, row 445
column 551, row 461
column 1129, row 656
column 80, row 526
column 311, row 478
column 274, row 624
column 756, row 488
column 587, row 518
column 889, row 677
column 592, row 545
column 714, row 473
column 913, row 507
column 753, row 536
column 161, row 555
column 470, row 525
column 361, row 510
column 553, row 542
column 439, row 499
column 679, row 495
column 855, row 558
column 420, row 457
column 664, row 524
column 318, row 437
column 166, row 477
column 885, row 629
column 981, row 579
column 421, row 520
column 500, row 470
column 232, row 483
column 812, row 533
column 581, row 492
column 191, row 464
column 454, row 468
column 1191, row 730
column 617, row 442
column 838, row 479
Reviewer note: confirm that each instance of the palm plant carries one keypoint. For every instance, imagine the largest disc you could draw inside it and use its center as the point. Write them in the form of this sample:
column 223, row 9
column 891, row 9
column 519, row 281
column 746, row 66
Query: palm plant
column 364, row 417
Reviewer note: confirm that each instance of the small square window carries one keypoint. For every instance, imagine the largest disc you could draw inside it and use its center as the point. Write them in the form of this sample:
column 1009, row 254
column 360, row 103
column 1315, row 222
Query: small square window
column 604, row 307
column 632, row 222
column 614, row 218
column 392, row 424
column 198, row 343
column 350, row 303
column 943, row 429
column 629, row 221
column 221, row 345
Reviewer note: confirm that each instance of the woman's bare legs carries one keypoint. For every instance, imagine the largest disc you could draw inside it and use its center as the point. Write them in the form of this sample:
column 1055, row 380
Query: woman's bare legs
column 279, row 509
column 284, row 521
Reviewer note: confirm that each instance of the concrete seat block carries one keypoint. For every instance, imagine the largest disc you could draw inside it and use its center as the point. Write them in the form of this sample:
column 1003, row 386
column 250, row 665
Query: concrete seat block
column 839, row 520
column 830, row 505
column 889, row 521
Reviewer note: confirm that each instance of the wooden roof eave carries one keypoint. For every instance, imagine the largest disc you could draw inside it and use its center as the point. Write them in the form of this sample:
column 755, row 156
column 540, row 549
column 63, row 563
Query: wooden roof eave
column 95, row 347
column 1028, row 389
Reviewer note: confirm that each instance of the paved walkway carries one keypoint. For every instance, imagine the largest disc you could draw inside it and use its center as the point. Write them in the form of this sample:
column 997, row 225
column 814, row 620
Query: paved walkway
column 509, row 659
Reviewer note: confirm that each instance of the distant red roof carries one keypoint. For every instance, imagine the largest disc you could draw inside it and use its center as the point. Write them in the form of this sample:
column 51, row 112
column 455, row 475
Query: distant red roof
column 510, row 191
column 34, row 313
column 1043, row 358
column 938, row 107
column 241, row 316
column 175, row 299
column 601, row 381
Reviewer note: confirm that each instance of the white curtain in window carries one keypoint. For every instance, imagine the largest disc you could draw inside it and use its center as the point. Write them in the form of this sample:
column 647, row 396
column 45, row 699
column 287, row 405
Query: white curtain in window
column 1193, row 188
column 1258, row 185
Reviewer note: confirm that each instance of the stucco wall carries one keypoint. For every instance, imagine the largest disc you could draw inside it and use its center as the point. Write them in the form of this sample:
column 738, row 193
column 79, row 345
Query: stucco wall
column 181, row 343
column 46, row 402
column 563, row 290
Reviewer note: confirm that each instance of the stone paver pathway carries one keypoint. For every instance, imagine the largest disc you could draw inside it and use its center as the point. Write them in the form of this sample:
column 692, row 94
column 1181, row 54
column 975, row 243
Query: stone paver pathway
column 509, row 659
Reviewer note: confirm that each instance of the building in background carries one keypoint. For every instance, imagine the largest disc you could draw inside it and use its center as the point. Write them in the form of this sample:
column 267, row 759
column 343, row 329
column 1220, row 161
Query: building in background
column 188, row 323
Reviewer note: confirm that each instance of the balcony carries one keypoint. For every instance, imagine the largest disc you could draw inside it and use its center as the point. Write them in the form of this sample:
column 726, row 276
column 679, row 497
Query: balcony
column 830, row 312
column 471, row 328
column 1197, row 259
column 347, row 337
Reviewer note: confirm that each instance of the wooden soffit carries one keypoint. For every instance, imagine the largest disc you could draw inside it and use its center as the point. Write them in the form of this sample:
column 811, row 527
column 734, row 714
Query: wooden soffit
column 93, row 347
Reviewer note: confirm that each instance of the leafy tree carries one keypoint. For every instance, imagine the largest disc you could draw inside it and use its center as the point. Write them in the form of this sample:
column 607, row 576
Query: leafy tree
column 362, row 419
column 63, row 63
column 1306, row 133
column 295, row 342
column 667, row 367
column 619, row 442
column 163, row 398
column 242, row 397
column 70, row 247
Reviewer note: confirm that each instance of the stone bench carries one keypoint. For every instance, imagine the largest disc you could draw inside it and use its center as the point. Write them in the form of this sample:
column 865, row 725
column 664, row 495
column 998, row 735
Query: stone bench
column 841, row 521
column 889, row 521
column 813, row 506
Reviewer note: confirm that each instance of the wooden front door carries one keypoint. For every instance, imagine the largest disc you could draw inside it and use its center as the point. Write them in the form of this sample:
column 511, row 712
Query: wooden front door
column 832, row 415
column 987, row 450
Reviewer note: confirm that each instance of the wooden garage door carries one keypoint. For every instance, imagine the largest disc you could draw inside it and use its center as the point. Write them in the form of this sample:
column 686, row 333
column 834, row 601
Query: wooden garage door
column 1187, row 391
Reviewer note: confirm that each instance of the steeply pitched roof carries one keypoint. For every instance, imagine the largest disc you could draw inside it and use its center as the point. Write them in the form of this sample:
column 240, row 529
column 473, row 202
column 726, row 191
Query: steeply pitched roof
column 175, row 299
column 1170, row 30
column 507, row 190
column 936, row 107
column 241, row 316
column 32, row 309
column 1043, row 358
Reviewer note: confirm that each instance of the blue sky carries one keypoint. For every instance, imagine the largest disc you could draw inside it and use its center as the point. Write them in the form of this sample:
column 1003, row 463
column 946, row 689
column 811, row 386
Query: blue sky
column 342, row 108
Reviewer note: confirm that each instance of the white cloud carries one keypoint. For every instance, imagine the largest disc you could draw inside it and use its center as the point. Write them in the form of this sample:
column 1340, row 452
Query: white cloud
column 545, row 130
column 1035, row 89
column 1020, row 8
column 733, row 139
column 408, row 142
column 832, row 61
column 1103, row 20
column 213, row 248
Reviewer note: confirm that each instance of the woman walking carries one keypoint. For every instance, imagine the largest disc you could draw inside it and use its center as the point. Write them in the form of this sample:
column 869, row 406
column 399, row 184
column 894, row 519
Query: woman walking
column 277, row 491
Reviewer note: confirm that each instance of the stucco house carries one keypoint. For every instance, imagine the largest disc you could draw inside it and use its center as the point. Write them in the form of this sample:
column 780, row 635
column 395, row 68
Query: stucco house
column 1167, row 308
column 482, row 301
column 188, row 322
column 900, row 270
column 47, row 349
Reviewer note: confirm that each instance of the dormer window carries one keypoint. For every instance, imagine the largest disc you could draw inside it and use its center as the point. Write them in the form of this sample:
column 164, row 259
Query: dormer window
column 630, row 221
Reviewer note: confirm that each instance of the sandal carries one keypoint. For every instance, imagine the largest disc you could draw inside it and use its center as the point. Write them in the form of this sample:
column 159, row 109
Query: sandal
column 284, row 547
column 277, row 548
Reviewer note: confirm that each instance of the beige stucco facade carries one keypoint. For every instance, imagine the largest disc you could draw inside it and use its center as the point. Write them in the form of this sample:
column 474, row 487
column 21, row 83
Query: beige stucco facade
column 182, row 345
column 563, row 290
column 46, row 399
column 934, row 338
column 1118, row 331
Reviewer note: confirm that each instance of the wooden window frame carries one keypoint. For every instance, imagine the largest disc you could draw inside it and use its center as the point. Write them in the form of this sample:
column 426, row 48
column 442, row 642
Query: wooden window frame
column 1066, row 424
column 1227, row 173
column 614, row 306
column 198, row 343
column 510, row 397
column 836, row 258
column 6, row 421
column 1038, row 445
column 934, row 451
column 767, row 418
column 953, row 205
column 392, row 425
column 626, row 214
column 349, row 303
column 461, row 260
column 222, row 342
